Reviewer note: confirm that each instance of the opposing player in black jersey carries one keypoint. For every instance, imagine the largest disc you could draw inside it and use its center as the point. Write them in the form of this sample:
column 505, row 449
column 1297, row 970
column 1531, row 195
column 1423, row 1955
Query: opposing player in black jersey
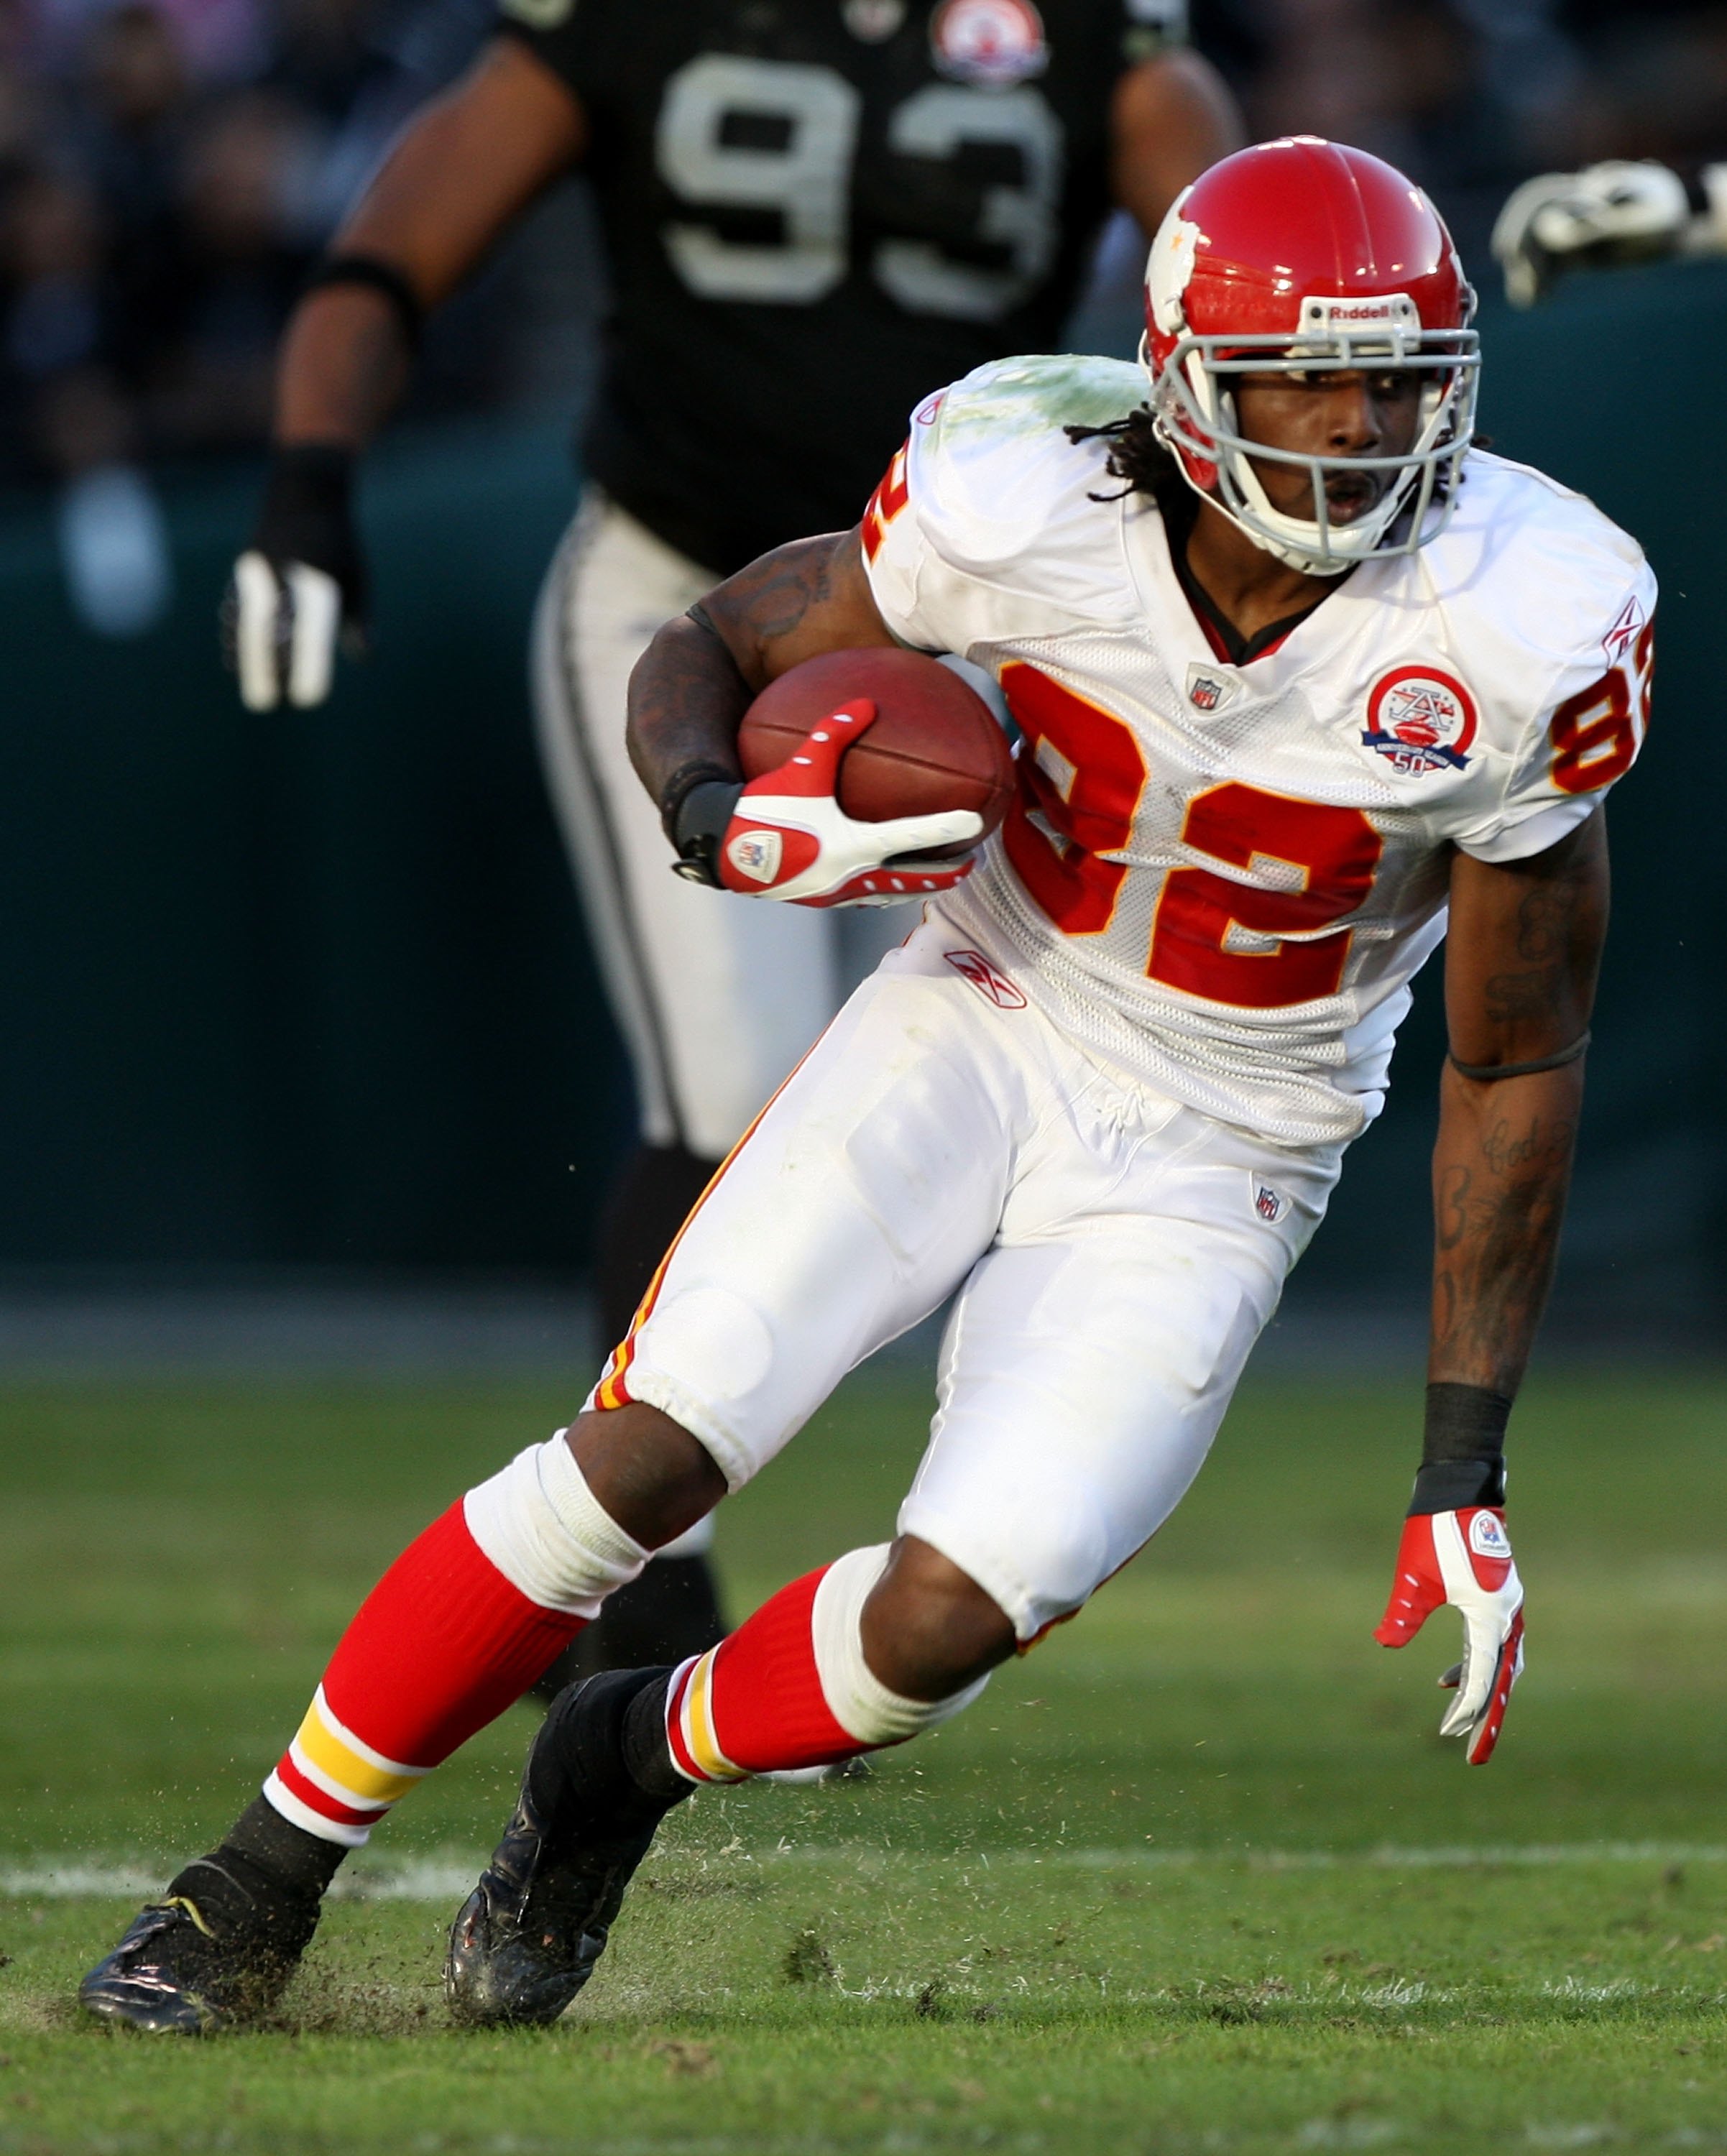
column 815, row 212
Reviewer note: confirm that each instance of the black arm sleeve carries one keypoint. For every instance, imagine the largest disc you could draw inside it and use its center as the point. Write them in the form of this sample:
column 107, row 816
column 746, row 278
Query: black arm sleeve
column 560, row 33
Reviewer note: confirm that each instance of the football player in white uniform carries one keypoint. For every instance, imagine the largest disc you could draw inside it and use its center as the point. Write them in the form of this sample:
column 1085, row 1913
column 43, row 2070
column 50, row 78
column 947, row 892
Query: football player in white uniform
column 811, row 216
column 1299, row 670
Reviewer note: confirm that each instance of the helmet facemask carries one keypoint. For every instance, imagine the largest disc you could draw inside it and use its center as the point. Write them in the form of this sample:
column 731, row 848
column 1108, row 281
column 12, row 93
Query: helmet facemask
column 1193, row 401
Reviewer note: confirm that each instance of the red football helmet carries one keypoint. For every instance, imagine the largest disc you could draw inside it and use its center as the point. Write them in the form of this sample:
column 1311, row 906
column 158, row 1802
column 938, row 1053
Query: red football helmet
column 1304, row 255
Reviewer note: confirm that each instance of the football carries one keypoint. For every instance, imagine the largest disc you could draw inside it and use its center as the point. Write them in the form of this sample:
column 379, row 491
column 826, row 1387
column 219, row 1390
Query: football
column 935, row 744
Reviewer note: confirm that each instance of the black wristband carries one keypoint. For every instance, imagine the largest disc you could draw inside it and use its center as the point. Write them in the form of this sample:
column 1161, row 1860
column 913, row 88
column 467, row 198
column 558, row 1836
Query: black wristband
column 698, row 824
column 372, row 271
column 1463, row 1450
column 683, row 782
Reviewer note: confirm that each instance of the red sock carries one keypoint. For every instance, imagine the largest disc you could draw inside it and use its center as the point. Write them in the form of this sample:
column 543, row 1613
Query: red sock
column 755, row 1704
column 441, row 1646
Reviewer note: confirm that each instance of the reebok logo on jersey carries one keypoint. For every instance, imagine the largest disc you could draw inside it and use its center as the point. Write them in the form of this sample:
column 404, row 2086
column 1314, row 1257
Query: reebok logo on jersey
column 1420, row 720
column 1488, row 1538
column 974, row 966
column 756, row 854
column 1628, row 628
column 994, row 42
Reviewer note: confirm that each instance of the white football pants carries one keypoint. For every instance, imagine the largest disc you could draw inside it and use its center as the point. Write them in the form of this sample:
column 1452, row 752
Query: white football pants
column 716, row 996
column 1115, row 1255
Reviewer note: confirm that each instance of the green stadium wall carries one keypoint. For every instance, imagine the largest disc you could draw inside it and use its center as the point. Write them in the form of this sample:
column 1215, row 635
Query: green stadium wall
column 311, row 989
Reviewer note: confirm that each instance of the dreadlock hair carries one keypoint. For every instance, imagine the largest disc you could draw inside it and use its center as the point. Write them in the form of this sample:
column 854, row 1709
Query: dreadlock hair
column 1138, row 455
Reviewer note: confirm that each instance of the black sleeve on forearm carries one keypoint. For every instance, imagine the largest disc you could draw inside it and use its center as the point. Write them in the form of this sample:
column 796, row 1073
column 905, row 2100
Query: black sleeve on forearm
column 1463, row 1450
column 561, row 37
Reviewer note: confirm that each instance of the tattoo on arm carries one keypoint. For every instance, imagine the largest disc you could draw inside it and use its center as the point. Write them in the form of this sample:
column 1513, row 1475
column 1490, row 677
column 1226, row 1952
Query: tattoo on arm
column 1500, row 1184
column 1526, row 941
column 771, row 597
column 686, row 698
column 692, row 686
column 1535, row 932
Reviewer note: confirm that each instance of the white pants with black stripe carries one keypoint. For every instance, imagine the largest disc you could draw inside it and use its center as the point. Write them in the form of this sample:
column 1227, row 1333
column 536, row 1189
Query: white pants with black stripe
column 716, row 996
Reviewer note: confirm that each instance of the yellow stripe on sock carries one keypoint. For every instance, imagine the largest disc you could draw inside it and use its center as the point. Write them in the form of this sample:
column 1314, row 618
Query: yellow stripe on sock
column 698, row 1725
column 364, row 1783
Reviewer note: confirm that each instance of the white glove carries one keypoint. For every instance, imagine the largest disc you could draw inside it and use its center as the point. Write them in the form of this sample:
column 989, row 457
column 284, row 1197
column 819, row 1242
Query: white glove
column 788, row 837
column 1616, row 212
column 1463, row 1558
column 285, row 625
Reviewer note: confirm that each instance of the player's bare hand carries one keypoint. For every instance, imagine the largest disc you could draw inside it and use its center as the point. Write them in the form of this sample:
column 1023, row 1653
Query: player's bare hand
column 299, row 590
column 790, row 839
column 1464, row 1559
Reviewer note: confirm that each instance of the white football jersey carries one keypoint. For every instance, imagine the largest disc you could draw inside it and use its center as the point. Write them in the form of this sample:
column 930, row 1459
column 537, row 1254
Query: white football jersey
column 1223, row 878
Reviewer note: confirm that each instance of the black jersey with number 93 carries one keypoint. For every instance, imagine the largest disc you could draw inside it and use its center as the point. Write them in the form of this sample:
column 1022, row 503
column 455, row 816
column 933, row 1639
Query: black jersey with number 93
column 817, row 211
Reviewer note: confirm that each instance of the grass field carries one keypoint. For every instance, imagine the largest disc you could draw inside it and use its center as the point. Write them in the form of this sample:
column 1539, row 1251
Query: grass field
column 1196, row 1874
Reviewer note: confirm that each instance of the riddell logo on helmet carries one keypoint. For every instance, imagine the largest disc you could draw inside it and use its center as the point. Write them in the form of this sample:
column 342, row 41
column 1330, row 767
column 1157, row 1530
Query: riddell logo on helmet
column 1326, row 321
column 1390, row 307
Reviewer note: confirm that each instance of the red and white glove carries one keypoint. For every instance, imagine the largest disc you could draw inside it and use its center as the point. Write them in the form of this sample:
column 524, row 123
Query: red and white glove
column 1463, row 1558
column 788, row 837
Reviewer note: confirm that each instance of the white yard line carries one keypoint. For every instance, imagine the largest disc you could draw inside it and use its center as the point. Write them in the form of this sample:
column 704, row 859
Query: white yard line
column 447, row 1879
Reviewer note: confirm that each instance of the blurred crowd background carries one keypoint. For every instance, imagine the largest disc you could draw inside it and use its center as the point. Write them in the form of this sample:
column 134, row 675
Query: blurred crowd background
column 168, row 168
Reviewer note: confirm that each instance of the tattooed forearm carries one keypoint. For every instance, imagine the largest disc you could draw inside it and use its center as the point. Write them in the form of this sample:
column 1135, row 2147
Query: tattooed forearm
column 697, row 679
column 1507, row 1148
column 1519, row 981
column 1501, row 1171
column 686, row 697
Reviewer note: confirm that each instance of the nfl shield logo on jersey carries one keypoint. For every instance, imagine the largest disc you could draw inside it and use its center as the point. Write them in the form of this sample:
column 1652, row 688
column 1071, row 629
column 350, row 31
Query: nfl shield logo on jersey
column 994, row 42
column 1270, row 1205
column 1207, row 690
column 1421, row 720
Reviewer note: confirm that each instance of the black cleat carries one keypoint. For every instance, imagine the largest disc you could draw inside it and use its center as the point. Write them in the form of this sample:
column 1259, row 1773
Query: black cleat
column 526, row 1939
column 667, row 1614
column 214, row 1952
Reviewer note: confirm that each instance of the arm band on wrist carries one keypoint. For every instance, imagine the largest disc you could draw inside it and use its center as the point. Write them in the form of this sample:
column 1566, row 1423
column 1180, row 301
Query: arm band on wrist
column 682, row 783
column 698, row 826
column 1463, row 1450
column 382, row 276
column 1489, row 1074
